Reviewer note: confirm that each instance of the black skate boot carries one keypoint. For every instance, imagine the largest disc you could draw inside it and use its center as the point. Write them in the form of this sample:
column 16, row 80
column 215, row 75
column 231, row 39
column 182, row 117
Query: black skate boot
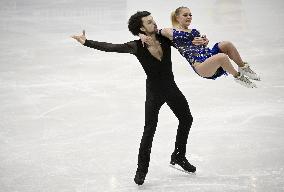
column 183, row 163
column 139, row 177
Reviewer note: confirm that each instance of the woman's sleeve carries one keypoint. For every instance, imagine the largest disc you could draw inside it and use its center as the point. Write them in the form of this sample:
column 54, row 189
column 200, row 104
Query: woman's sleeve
column 129, row 47
column 197, row 33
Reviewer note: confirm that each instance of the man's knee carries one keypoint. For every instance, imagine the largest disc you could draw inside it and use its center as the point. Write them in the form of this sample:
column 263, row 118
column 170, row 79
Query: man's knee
column 186, row 120
column 150, row 128
column 151, row 122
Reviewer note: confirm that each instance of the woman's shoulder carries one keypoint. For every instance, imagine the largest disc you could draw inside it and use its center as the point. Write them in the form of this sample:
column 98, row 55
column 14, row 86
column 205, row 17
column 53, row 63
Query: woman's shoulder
column 167, row 30
column 184, row 31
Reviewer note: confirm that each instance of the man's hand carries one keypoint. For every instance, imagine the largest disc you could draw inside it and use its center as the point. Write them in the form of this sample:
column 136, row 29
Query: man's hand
column 80, row 38
column 146, row 39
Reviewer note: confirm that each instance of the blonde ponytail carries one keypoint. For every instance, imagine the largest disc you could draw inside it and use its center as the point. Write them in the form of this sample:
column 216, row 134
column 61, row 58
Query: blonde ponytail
column 174, row 19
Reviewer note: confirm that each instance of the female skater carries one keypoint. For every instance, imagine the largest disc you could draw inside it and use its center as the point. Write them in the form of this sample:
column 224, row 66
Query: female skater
column 207, row 63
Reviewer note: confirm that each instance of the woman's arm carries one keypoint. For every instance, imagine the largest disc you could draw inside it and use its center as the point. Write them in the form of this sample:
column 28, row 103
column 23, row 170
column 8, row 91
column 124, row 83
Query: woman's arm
column 167, row 32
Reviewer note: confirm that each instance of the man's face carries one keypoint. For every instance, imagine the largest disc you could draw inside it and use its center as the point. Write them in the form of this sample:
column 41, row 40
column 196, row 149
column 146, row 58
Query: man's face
column 149, row 25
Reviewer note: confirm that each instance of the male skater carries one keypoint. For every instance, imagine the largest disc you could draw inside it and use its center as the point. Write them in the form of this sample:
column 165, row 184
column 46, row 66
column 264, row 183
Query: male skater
column 160, row 88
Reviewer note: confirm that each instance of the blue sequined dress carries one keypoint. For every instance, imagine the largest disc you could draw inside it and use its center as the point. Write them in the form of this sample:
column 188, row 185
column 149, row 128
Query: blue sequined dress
column 182, row 40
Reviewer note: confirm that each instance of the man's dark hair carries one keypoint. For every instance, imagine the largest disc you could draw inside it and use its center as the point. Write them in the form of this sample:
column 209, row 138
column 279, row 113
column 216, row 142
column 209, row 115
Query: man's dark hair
column 135, row 22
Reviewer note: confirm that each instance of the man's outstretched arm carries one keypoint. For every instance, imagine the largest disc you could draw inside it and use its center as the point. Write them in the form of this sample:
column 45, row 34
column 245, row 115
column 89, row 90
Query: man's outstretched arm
column 129, row 47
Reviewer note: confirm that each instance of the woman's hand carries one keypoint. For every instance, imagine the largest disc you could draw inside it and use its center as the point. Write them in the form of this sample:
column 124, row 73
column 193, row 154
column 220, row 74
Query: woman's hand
column 200, row 40
column 206, row 41
column 145, row 39
column 80, row 38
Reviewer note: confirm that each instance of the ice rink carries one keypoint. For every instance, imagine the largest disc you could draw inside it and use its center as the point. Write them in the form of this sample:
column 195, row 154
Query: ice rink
column 71, row 117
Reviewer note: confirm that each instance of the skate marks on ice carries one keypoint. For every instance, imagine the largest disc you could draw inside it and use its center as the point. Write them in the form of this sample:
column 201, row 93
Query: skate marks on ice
column 204, row 181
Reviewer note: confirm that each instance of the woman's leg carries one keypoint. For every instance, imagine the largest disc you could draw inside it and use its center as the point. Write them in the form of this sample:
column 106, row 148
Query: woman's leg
column 229, row 49
column 210, row 65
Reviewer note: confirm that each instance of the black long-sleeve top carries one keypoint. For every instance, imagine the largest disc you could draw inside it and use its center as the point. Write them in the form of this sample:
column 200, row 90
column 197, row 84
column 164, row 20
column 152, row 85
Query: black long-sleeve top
column 156, row 70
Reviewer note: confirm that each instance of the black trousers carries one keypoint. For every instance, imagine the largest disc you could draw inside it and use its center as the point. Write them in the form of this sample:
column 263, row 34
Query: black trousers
column 158, row 93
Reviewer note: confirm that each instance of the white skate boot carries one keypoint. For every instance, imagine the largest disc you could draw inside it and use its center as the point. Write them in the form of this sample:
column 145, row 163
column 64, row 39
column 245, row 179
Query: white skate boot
column 246, row 70
column 245, row 81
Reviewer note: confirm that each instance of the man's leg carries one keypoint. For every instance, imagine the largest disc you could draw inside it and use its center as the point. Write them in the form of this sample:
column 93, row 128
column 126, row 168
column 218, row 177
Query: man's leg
column 178, row 104
column 153, row 104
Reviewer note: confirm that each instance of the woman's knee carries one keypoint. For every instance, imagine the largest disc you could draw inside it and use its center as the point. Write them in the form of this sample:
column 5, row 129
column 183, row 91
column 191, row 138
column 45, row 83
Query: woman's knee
column 222, row 57
column 225, row 46
column 226, row 43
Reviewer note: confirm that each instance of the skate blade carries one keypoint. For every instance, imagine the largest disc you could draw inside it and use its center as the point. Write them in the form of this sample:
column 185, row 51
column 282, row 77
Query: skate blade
column 251, row 78
column 255, row 79
column 177, row 167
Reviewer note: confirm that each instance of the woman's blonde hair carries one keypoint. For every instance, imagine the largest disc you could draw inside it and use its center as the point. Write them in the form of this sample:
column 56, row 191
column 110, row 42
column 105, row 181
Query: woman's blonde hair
column 174, row 15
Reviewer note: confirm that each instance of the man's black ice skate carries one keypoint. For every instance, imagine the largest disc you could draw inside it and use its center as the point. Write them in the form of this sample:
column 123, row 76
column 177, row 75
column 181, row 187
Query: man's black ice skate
column 139, row 178
column 183, row 163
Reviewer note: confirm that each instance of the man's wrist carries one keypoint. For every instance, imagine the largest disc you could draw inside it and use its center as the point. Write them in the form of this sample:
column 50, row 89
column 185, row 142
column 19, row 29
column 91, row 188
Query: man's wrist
column 84, row 42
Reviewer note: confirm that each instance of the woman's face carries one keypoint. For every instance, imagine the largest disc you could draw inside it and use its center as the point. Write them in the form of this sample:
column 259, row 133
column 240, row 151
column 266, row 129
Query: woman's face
column 184, row 17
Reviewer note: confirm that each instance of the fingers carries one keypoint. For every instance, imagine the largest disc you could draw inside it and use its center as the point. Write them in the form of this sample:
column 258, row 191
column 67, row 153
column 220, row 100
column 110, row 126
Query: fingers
column 146, row 40
column 198, row 38
column 75, row 37
column 198, row 41
column 78, row 36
